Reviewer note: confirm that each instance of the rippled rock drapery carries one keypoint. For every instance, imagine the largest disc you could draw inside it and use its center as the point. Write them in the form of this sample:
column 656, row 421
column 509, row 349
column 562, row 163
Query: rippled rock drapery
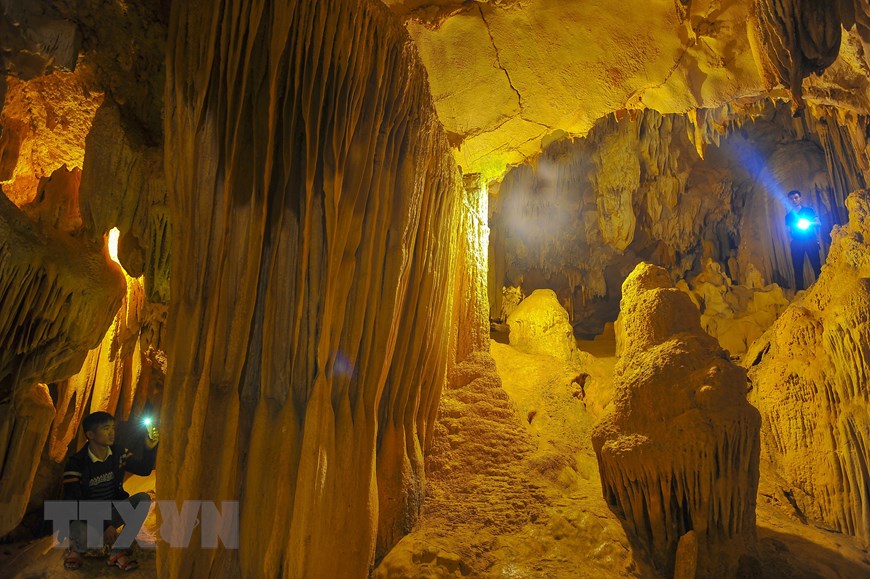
column 24, row 426
column 123, row 186
column 795, row 38
column 679, row 452
column 311, row 190
column 58, row 294
column 810, row 381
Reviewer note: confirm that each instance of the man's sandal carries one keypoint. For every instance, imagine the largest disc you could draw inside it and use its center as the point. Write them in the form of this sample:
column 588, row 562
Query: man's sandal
column 122, row 561
column 72, row 560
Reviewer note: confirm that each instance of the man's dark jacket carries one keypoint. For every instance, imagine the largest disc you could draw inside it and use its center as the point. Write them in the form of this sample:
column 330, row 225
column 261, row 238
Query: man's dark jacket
column 80, row 469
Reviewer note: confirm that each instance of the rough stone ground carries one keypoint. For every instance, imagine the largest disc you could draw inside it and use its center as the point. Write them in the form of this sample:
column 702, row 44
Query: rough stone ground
column 41, row 560
column 514, row 489
column 513, row 486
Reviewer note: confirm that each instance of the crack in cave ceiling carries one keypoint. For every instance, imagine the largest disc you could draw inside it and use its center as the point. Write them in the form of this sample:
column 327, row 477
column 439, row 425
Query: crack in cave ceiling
column 510, row 76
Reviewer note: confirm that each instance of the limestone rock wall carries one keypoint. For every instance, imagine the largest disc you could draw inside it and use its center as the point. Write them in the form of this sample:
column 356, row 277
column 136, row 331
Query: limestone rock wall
column 671, row 190
column 24, row 424
column 45, row 121
column 736, row 315
column 679, row 451
column 59, row 293
column 123, row 186
column 809, row 375
column 311, row 318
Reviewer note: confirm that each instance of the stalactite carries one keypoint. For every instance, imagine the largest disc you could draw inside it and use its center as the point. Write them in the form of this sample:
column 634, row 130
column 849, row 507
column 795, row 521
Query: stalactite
column 679, row 452
column 311, row 190
column 118, row 375
column 793, row 39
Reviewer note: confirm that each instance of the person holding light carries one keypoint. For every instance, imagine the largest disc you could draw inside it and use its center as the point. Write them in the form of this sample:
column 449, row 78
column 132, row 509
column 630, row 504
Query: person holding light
column 803, row 230
column 96, row 473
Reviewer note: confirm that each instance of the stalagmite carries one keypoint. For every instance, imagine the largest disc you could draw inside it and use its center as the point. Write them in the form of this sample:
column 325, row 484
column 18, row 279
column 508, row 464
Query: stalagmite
column 679, row 452
column 539, row 325
column 810, row 381
column 310, row 325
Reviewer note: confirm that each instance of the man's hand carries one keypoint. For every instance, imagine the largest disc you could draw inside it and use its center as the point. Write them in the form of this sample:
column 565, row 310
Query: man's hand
column 153, row 437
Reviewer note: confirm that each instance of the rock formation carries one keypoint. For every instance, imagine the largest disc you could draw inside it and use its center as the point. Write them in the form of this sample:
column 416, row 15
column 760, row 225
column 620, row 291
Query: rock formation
column 539, row 325
column 679, row 451
column 736, row 315
column 810, row 381
column 312, row 310
column 59, row 294
column 306, row 263
column 674, row 190
column 662, row 55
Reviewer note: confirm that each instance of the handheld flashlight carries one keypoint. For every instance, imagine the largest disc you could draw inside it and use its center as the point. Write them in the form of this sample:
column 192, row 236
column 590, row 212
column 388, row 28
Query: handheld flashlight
column 147, row 422
column 803, row 224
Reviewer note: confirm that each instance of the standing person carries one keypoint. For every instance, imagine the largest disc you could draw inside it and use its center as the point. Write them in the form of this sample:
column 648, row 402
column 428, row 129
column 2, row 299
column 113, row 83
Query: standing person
column 96, row 473
column 803, row 230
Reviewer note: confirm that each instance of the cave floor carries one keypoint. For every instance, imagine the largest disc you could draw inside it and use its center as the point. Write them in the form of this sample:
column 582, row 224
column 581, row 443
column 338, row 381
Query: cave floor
column 42, row 558
column 513, row 491
column 530, row 453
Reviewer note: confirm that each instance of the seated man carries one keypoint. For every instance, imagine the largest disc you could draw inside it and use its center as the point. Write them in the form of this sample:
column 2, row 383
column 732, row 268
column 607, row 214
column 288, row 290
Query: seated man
column 96, row 473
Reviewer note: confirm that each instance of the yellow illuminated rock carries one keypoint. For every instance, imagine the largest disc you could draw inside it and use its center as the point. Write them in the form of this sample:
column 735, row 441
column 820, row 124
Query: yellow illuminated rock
column 539, row 325
column 312, row 204
column 810, row 381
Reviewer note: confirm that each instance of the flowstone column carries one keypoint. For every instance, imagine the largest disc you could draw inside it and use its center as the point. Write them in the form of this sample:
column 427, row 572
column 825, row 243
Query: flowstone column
column 312, row 192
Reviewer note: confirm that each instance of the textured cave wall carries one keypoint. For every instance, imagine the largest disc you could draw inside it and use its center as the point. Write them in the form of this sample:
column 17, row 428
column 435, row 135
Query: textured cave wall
column 311, row 319
column 62, row 291
column 550, row 68
column 45, row 121
column 810, row 381
column 674, row 190
column 793, row 39
column 123, row 186
column 59, row 293
column 679, row 452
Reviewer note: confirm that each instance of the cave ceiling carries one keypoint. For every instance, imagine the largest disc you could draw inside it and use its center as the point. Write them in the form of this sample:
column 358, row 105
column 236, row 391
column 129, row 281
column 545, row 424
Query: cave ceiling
column 510, row 76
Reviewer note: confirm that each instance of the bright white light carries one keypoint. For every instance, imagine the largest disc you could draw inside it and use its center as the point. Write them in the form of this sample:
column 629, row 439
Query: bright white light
column 114, row 234
column 803, row 223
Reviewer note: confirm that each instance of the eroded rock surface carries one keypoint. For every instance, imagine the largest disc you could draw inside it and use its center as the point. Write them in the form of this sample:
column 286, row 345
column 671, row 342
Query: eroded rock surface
column 539, row 325
column 679, row 451
column 810, row 381
column 736, row 315
column 313, row 291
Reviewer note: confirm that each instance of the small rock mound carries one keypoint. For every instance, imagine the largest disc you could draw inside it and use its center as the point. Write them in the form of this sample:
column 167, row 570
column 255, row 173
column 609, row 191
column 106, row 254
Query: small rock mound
column 539, row 325
column 680, row 450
